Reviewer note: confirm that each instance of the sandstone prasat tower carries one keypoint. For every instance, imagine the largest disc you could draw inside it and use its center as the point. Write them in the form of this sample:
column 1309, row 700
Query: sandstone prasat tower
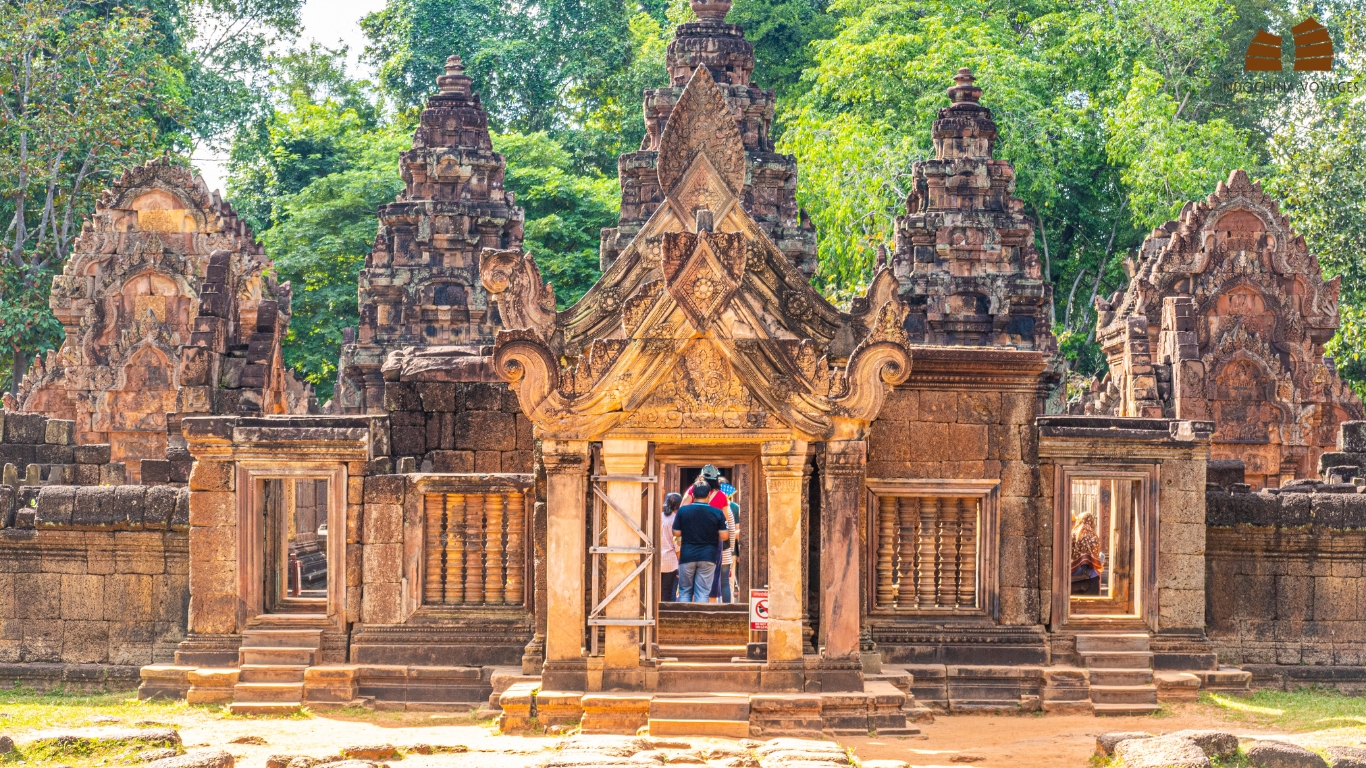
column 476, row 520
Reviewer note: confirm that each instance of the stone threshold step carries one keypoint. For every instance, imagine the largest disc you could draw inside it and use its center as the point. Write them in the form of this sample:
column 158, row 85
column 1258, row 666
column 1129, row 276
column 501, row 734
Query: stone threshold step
column 264, row 707
column 730, row 729
column 1125, row 709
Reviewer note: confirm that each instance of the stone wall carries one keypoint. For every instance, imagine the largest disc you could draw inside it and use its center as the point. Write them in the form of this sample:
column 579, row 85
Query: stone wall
column 1285, row 582
column 457, row 427
column 35, row 449
column 94, row 582
column 940, row 426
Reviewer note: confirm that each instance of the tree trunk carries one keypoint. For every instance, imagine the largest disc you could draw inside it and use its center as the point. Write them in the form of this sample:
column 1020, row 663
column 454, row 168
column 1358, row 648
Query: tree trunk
column 20, row 368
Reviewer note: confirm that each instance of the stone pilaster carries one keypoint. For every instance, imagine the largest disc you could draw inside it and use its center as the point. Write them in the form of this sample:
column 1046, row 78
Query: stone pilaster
column 784, row 474
column 566, row 470
column 621, row 662
column 841, row 486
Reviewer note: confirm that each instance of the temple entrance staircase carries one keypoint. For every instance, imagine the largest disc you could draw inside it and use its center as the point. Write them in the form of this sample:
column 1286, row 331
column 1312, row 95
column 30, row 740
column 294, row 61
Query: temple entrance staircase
column 1121, row 672
column 700, row 714
column 272, row 663
column 702, row 633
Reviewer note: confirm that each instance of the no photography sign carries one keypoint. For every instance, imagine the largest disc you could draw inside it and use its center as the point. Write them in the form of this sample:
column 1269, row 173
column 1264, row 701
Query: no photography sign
column 758, row 610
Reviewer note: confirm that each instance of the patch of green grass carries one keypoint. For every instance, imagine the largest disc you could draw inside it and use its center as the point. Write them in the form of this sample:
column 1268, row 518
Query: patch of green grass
column 24, row 709
column 1304, row 709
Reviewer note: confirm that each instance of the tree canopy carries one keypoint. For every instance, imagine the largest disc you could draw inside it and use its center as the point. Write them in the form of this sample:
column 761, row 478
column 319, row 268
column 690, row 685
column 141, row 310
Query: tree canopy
column 1114, row 114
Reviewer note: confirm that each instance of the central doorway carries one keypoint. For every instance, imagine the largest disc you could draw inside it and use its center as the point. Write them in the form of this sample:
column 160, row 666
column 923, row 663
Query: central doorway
column 717, row 632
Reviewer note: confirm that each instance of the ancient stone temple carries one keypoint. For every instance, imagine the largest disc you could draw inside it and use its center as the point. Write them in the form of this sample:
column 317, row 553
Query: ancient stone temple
column 965, row 249
column 420, row 284
column 130, row 297
column 927, row 529
column 770, row 179
column 1225, row 319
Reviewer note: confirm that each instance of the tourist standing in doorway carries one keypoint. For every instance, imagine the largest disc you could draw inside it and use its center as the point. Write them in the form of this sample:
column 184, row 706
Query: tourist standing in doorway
column 732, row 547
column 668, row 550
column 700, row 529
column 1085, row 556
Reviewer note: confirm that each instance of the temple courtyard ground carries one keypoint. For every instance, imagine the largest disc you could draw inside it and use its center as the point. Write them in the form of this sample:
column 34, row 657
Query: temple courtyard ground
column 1315, row 719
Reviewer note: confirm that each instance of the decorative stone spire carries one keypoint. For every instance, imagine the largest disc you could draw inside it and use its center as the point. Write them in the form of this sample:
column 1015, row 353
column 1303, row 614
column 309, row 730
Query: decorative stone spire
column 455, row 80
column 420, row 285
column 965, row 248
column 770, row 186
column 711, row 9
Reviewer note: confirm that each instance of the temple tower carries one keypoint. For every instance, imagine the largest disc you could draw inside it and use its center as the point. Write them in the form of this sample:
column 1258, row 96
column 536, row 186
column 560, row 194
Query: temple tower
column 770, row 187
column 965, row 253
column 420, row 285
column 129, row 298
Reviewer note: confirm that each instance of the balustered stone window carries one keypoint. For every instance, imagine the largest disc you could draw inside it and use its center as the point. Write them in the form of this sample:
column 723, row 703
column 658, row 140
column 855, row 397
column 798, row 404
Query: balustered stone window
column 475, row 548
column 933, row 546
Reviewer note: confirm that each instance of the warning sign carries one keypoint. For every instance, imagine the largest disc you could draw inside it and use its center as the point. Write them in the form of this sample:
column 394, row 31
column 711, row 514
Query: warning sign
column 758, row 610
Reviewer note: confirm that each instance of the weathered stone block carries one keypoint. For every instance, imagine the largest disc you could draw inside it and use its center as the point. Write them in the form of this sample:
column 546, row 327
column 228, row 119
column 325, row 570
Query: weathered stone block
column 130, row 502
column 128, row 597
column 938, row 406
column 55, row 505
column 114, row 473
column 979, row 407
column 452, row 461
column 82, row 597
column 519, row 461
column 401, row 396
column 42, row 640
column 92, row 454
column 409, row 441
column 60, row 432
column 485, row 431
column 383, row 563
column 38, row 596
column 901, row 405
column 384, row 489
column 526, row 437
column 928, row 441
column 213, row 476
column 488, row 461
column 54, row 454
column 437, row 396
column 484, row 397
column 158, row 507
column 213, row 508
column 380, row 603
column 24, row 428
column 93, row 507
column 383, row 524
column 213, row 544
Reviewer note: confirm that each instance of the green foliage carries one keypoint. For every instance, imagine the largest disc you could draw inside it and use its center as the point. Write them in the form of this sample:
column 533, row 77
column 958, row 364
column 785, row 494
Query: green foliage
column 319, row 242
column 80, row 94
column 565, row 211
column 782, row 32
column 309, row 175
column 1166, row 161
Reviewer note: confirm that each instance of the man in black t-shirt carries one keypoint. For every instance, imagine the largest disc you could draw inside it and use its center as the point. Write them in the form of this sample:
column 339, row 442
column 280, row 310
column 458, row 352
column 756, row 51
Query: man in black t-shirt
column 700, row 528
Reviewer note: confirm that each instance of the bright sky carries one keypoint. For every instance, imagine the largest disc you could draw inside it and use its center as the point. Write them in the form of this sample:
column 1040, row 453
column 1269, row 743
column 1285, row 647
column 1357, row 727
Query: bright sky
column 330, row 22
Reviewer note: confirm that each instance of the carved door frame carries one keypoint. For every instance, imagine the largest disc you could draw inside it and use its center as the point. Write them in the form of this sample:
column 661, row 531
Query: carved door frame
column 1145, row 545
column 251, row 532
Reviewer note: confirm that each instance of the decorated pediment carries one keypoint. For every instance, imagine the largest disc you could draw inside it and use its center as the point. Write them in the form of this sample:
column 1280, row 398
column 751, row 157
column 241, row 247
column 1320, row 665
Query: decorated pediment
column 702, row 325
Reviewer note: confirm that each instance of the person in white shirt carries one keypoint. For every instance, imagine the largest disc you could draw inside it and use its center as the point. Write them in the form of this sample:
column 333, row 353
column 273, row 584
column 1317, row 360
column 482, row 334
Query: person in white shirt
column 668, row 550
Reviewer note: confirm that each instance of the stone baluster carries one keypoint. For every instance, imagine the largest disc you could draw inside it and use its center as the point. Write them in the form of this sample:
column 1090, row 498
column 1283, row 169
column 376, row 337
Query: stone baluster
column 907, row 575
column 967, row 552
column 566, row 470
column 516, row 567
column 925, row 551
column 455, row 548
column 493, row 549
column 435, row 511
column 886, row 551
column 946, row 562
column 474, row 543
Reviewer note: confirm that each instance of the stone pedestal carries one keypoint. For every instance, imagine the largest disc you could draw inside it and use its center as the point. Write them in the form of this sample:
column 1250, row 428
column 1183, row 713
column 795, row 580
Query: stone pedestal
column 566, row 471
column 842, row 486
column 784, row 474
column 621, row 662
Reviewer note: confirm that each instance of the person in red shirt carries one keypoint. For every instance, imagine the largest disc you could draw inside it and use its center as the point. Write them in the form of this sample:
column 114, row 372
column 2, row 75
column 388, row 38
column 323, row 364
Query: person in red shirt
column 712, row 476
